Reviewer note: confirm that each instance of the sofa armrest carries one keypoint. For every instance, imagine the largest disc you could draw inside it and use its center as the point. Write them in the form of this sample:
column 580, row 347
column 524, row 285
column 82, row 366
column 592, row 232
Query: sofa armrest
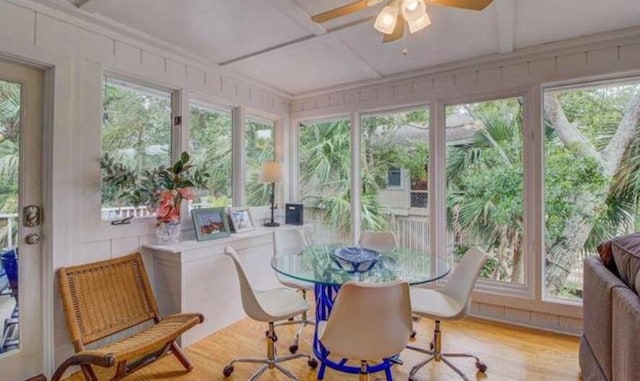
column 599, row 284
column 625, row 357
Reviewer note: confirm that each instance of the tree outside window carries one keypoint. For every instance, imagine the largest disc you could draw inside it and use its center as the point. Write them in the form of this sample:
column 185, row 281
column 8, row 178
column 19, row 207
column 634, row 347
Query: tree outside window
column 592, row 176
column 210, row 145
column 136, row 133
column 259, row 147
column 485, row 184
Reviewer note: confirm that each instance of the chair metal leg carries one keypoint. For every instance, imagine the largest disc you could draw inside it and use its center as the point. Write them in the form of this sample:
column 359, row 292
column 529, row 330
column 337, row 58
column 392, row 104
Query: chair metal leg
column 259, row 372
column 272, row 361
column 286, row 372
column 455, row 368
column 303, row 321
column 364, row 371
column 437, row 355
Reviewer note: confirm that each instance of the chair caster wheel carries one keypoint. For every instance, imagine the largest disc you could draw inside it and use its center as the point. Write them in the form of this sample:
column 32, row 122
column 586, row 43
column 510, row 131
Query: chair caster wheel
column 413, row 379
column 290, row 319
column 482, row 367
column 413, row 335
column 266, row 334
column 274, row 338
column 313, row 363
column 227, row 370
column 293, row 348
column 431, row 346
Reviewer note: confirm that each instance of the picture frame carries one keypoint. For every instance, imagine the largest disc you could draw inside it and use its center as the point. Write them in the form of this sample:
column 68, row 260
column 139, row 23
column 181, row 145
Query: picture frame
column 241, row 219
column 210, row 223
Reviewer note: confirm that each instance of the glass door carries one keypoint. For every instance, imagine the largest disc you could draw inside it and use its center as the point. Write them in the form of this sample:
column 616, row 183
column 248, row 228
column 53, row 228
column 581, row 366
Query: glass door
column 20, row 217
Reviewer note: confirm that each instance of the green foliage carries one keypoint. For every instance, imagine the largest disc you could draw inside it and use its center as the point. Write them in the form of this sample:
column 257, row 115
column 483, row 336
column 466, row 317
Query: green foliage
column 210, row 145
column 136, row 133
column 9, row 154
column 143, row 188
column 485, row 181
column 259, row 147
column 390, row 140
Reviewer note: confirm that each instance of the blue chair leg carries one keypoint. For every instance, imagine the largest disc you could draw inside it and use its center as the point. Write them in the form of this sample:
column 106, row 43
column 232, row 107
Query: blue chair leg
column 321, row 371
column 387, row 370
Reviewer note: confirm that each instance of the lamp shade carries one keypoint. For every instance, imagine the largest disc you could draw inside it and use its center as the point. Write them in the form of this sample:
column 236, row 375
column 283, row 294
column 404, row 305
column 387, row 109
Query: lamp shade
column 272, row 172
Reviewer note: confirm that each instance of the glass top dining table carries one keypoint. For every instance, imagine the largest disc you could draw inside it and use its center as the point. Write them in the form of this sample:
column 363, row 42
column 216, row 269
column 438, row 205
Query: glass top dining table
column 317, row 264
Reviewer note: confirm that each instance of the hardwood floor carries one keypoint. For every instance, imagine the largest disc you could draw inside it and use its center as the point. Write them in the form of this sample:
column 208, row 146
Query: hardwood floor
column 511, row 353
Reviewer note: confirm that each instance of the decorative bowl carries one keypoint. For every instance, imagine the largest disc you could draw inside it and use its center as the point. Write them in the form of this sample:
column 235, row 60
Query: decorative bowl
column 354, row 259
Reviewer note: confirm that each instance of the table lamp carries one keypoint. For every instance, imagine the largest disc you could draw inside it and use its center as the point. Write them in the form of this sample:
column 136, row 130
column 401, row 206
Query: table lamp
column 272, row 172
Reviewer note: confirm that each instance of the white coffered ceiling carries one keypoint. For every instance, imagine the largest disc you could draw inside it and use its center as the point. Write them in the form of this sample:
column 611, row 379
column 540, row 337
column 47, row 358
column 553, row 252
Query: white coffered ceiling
column 274, row 41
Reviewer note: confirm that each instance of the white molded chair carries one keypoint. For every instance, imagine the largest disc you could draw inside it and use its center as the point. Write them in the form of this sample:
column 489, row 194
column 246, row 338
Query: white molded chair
column 291, row 242
column 368, row 322
column 269, row 306
column 383, row 240
column 451, row 302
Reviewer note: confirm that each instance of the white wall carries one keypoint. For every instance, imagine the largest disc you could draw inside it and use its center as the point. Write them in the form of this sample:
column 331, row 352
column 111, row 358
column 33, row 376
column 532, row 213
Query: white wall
column 518, row 73
column 76, row 53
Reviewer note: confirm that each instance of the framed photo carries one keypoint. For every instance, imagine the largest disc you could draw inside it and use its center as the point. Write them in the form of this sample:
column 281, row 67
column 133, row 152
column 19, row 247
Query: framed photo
column 241, row 219
column 210, row 223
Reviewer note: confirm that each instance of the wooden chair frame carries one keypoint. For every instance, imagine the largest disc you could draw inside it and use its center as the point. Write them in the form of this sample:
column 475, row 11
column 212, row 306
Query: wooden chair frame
column 104, row 298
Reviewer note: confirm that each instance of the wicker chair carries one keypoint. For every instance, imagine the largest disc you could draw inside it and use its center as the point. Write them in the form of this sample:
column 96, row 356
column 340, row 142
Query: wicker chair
column 104, row 298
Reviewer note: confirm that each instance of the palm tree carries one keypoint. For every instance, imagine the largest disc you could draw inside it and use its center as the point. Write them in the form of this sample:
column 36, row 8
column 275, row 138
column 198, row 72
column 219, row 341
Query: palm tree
column 485, row 183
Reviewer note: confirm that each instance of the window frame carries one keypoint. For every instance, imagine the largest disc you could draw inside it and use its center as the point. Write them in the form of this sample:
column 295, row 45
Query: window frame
column 527, row 289
column 207, row 104
column 142, row 85
column 566, row 85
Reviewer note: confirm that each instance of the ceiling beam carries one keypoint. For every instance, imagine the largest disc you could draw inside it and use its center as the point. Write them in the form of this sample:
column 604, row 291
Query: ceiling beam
column 317, row 32
column 506, row 22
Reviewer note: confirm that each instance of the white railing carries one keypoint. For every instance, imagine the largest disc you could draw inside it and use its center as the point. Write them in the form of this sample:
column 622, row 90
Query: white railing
column 10, row 228
column 125, row 211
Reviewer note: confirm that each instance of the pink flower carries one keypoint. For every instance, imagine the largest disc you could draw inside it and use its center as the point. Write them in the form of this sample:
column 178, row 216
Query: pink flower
column 169, row 207
column 187, row 193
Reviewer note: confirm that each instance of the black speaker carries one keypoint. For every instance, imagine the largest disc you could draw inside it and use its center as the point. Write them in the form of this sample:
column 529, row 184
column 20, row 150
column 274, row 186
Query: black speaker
column 293, row 214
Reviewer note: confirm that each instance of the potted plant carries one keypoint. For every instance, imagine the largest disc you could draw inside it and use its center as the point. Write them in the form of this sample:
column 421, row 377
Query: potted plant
column 162, row 190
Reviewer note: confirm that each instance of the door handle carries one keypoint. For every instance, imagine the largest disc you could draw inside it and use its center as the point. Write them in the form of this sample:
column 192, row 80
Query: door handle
column 32, row 239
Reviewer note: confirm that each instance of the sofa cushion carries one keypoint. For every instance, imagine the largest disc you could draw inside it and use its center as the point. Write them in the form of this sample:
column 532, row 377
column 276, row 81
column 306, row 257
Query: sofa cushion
column 626, row 254
column 606, row 254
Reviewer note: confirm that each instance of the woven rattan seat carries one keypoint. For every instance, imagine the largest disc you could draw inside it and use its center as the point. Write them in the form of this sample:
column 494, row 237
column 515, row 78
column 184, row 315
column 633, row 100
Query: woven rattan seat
column 104, row 298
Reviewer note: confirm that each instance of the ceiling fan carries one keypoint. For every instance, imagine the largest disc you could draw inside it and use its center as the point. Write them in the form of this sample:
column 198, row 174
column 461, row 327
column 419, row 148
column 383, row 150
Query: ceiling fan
column 391, row 19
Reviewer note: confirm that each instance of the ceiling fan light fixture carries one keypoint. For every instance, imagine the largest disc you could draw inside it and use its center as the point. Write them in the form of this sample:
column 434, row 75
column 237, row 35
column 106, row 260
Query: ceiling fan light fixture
column 387, row 19
column 419, row 23
column 413, row 9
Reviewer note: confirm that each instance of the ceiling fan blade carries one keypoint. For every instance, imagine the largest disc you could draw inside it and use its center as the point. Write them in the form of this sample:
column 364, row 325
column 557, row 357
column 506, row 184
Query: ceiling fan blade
column 340, row 11
column 476, row 5
column 398, row 31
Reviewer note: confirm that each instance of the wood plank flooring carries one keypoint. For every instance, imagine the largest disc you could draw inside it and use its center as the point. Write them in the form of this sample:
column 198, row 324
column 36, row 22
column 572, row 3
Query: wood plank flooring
column 511, row 353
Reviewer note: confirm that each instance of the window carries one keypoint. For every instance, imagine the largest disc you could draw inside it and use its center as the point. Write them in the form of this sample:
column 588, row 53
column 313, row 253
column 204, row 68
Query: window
column 591, row 172
column 395, row 145
column 394, row 178
column 136, row 133
column 259, row 147
column 485, row 185
column 324, row 151
column 210, row 146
